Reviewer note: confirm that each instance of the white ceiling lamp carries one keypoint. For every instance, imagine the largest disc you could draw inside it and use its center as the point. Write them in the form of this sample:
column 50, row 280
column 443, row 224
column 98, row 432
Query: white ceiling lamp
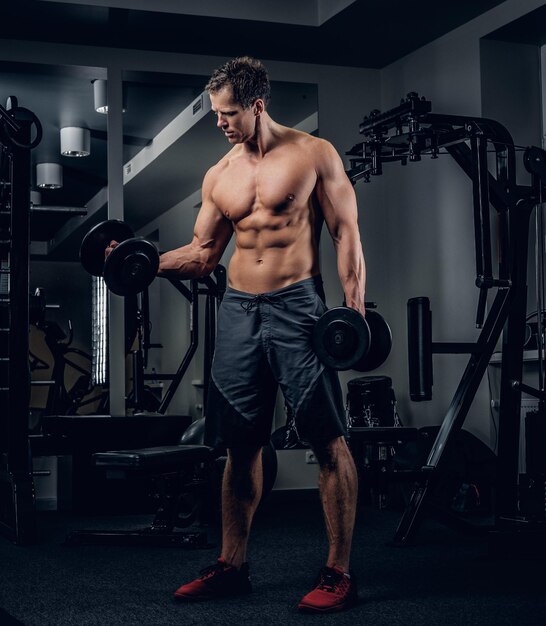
column 75, row 141
column 49, row 176
column 100, row 96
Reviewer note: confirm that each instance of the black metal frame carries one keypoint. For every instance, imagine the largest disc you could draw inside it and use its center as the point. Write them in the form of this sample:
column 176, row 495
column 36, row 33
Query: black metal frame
column 213, row 289
column 404, row 134
column 17, row 502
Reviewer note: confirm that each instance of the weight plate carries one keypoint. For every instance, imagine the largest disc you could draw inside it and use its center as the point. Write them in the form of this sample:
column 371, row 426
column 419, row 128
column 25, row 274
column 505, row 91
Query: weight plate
column 341, row 338
column 380, row 343
column 131, row 267
column 97, row 240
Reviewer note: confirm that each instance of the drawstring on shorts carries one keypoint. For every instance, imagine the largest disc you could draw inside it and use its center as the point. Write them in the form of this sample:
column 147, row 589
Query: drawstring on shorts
column 249, row 304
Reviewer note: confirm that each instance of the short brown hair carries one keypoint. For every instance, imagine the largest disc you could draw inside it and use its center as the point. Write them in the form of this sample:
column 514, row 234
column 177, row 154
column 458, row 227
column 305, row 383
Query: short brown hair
column 247, row 78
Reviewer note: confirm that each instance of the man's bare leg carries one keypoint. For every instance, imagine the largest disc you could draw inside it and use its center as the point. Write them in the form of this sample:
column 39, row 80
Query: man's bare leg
column 338, row 485
column 241, row 493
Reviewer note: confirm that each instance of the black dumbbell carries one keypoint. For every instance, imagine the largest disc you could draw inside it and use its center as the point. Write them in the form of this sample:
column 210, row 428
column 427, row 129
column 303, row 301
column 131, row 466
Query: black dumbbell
column 129, row 268
column 343, row 339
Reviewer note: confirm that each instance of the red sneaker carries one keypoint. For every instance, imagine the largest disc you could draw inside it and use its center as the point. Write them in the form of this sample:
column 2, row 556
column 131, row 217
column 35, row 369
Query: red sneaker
column 335, row 591
column 217, row 581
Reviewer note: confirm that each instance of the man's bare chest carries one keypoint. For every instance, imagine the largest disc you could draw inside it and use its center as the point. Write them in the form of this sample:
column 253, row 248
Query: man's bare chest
column 274, row 186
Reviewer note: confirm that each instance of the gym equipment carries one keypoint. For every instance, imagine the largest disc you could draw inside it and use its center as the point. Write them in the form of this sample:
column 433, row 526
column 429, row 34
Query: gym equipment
column 129, row 268
column 213, row 287
column 375, row 431
column 17, row 505
column 343, row 339
column 187, row 482
column 181, row 476
column 371, row 402
column 406, row 133
column 17, row 124
column 82, row 436
column 60, row 400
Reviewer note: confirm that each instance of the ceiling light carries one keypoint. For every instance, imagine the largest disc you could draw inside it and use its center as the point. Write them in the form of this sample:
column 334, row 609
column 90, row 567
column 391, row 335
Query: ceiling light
column 75, row 142
column 49, row 175
column 100, row 96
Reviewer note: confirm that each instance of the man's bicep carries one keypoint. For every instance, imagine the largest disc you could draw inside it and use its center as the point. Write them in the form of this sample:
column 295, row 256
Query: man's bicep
column 212, row 230
column 335, row 192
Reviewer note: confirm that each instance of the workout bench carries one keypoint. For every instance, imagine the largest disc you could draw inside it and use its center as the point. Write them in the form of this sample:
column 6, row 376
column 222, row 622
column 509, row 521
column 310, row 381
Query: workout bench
column 178, row 472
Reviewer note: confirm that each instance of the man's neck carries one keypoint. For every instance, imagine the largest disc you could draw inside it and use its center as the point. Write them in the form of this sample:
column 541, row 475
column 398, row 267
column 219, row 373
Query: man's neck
column 265, row 138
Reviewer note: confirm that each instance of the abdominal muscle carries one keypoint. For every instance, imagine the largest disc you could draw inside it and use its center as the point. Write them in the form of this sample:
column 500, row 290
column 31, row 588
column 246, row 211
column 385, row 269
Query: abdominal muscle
column 272, row 257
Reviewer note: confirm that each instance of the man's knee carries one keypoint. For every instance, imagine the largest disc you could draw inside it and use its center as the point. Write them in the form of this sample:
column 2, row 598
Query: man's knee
column 329, row 454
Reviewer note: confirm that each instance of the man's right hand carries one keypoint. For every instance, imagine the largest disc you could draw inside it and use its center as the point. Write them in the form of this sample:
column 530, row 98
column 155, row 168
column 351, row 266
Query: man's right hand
column 113, row 244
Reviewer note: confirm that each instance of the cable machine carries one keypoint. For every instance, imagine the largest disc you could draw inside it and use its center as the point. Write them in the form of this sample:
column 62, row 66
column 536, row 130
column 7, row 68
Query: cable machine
column 403, row 135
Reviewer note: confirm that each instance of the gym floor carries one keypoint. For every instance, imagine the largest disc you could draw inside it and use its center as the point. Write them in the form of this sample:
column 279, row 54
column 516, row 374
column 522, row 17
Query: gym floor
column 447, row 578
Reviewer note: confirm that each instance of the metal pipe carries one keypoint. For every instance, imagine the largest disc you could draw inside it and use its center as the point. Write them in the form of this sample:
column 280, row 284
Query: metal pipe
column 539, row 286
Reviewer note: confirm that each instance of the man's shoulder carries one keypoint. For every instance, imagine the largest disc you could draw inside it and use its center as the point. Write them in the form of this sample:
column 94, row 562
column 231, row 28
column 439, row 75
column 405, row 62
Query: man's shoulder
column 318, row 146
column 216, row 170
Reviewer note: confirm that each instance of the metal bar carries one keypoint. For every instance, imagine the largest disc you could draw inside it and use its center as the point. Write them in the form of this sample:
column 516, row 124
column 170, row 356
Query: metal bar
column 179, row 286
column 389, row 119
column 512, row 366
column 455, row 348
column 192, row 348
column 483, row 194
column 476, row 202
column 482, row 302
column 19, row 523
column 156, row 376
column 536, row 393
column 539, row 286
column 499, row 195
column 18, row 342
column 490, row 129
column 456, row 414
column 116, row 305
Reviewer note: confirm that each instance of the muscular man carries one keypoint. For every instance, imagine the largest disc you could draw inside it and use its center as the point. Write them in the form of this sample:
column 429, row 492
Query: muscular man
column 273, row 189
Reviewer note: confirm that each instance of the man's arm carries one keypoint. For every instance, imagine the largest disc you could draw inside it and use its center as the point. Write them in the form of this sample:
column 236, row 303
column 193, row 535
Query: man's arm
column 211, row 234
column 337, row 199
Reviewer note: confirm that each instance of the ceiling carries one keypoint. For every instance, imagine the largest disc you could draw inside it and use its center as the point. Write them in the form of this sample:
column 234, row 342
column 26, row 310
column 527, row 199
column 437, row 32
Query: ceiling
column 361, row 33
column 366, row 33
column 529, row 29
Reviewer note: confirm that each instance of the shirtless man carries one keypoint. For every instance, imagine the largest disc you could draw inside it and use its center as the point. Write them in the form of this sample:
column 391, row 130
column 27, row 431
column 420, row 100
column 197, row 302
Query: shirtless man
column 273, row 189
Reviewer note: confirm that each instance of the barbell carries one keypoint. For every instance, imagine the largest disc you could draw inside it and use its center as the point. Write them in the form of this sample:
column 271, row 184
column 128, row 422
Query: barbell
column 343, row 339
column 129, row 268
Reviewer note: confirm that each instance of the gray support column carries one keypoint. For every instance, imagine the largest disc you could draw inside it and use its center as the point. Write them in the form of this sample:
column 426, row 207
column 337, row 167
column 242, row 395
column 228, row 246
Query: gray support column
column 116, row 309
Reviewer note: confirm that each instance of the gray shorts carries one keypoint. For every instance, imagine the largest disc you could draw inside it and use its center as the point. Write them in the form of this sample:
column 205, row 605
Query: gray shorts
column 264, row 341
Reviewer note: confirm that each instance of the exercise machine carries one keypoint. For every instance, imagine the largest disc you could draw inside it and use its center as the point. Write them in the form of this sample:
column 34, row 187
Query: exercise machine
column 404, row 135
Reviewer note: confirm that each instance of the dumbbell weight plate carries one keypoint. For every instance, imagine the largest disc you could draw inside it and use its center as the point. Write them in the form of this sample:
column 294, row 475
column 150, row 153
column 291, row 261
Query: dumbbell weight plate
column 131, row 267
column 380, row 343
column 341, row 338
column 97, row 240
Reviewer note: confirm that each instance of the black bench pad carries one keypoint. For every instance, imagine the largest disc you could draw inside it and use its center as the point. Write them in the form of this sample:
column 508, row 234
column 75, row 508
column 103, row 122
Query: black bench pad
column 158, row 458
column 380, row 434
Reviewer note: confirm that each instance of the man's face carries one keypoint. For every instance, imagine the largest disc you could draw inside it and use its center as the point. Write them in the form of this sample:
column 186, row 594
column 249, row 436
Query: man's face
column 238, row 124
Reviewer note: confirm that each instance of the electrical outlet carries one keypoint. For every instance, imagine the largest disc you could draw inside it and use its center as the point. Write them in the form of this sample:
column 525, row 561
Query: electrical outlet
column 310, row 457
